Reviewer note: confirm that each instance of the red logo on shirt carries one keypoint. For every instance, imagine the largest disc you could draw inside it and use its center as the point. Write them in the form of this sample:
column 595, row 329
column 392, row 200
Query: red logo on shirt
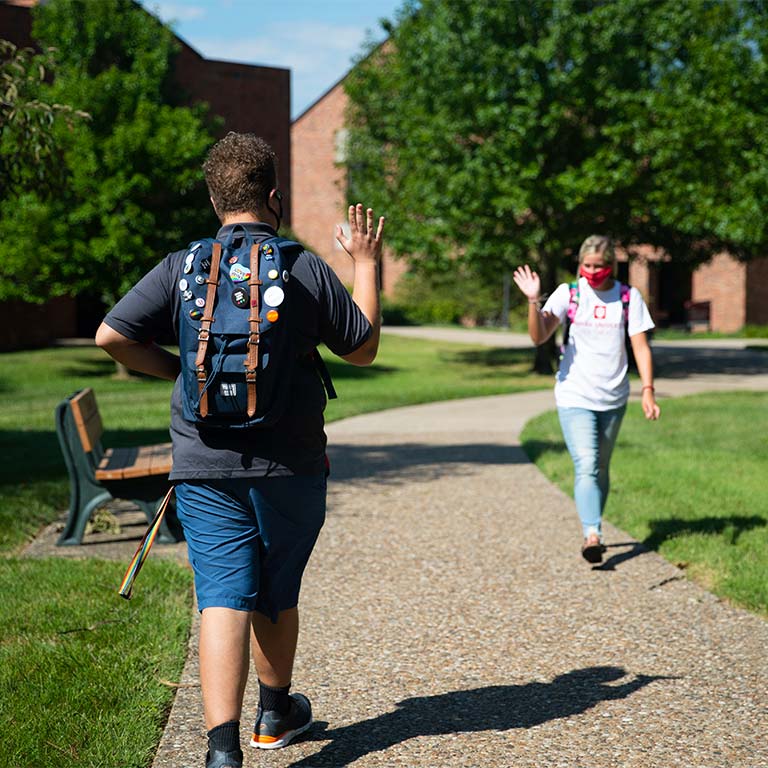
column 600, row 313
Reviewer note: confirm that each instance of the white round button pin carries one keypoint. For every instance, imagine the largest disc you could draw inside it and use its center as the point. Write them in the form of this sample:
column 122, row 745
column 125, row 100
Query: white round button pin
column 274, row 296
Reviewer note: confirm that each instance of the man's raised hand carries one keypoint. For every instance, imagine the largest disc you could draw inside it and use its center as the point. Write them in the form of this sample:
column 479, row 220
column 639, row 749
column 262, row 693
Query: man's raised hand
column 363, row 244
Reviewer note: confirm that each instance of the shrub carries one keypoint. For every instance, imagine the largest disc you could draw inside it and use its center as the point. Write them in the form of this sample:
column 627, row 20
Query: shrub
column 454, row 297
column 751, row 331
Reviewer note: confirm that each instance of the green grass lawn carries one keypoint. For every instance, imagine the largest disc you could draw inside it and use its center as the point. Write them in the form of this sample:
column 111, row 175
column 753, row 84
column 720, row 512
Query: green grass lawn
column 80, row 681
column 691, row 486
column 676, row 334
column 83, row 673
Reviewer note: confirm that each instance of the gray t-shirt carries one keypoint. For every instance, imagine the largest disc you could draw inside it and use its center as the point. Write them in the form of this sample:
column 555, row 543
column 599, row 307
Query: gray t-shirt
column 322, row 311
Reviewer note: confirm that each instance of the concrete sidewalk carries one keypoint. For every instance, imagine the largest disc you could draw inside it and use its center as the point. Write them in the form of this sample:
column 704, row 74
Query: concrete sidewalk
column 448, row 619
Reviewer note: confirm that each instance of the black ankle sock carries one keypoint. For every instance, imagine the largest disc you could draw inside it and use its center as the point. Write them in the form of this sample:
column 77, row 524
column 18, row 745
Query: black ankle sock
column 274, row 698
column 225, row 737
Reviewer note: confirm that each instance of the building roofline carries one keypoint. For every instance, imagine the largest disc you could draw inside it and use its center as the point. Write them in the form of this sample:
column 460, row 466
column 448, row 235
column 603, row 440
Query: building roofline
column 245, row 64
column 337, row 83
column 323, row 95
column 149, row 10
column 194, row 50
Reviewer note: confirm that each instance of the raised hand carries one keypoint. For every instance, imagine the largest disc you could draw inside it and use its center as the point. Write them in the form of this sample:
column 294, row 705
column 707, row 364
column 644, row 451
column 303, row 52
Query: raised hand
column 527, row 281
column 362, row 244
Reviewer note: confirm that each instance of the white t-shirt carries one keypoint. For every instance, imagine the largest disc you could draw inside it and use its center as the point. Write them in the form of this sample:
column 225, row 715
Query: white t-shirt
column 593, row 371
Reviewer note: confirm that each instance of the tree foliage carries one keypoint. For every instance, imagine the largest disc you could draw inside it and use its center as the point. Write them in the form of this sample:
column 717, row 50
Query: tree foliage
column 133, row 188
column 28, row 153
column 498, row 133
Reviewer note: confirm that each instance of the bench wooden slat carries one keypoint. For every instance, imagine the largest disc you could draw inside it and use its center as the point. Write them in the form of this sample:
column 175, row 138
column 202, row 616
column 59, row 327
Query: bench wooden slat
column 162, row 460
column 87, row 419
column 124, row 463
column 138, row 473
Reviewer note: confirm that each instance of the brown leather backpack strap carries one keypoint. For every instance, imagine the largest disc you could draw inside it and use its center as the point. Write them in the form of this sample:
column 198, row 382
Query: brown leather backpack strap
column 251, row 361
column 205, row 328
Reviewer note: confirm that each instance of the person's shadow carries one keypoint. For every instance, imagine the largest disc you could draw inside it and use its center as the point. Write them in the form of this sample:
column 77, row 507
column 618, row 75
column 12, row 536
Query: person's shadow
column 493, row 708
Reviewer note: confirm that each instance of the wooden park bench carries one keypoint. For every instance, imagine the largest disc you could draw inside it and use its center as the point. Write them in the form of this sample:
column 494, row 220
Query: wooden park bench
column 96, row 475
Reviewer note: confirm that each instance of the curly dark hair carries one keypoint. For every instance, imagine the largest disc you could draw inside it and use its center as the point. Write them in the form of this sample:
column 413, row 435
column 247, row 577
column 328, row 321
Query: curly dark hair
column 240, row 171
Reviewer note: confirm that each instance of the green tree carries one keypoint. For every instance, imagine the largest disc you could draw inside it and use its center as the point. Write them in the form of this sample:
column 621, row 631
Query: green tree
column 133, row 188
column 28, row 152
column 502, row 133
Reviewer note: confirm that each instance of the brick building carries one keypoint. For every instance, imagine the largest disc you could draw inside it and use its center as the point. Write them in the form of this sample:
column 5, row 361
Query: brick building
column 248, row 98
column 721, row 295
column 319, row 182
column 730, row 292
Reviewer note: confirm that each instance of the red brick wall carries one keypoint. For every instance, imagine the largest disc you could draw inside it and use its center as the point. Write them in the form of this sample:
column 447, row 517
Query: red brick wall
column 392, row 270
column 35, row 325
column 320, row 187
column 757, row 291
column 640, row 275
column 722, row 281
column 250, row 99
column 319, row 184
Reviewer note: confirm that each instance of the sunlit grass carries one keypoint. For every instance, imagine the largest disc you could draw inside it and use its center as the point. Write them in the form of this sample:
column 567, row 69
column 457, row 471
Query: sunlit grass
column 81, row 669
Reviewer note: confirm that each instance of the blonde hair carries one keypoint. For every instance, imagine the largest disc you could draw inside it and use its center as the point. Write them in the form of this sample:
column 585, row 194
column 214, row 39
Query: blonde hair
column 599, row 244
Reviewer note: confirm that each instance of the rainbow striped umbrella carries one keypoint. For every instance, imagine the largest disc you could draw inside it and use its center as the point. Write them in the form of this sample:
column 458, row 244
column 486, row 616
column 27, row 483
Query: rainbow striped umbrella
column 144, row 546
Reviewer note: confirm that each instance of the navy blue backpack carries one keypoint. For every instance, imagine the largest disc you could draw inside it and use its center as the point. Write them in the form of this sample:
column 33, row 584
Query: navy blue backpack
column 234, row 337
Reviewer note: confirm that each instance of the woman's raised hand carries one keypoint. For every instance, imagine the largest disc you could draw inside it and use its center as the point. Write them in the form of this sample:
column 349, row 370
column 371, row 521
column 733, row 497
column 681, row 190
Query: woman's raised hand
column 528, row 282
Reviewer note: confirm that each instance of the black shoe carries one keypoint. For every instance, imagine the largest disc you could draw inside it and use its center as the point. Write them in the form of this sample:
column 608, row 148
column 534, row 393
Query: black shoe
column 273, row 730
column 592, row 549
column 222, row 759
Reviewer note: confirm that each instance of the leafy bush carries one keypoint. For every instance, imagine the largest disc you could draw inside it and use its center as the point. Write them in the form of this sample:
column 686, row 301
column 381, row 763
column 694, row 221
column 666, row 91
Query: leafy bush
column 751, row 331
column 393, row 313
column 452, row 297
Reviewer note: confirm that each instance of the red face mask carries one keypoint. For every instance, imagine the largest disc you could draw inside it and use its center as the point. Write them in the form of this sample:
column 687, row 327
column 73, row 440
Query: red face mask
column 596, row 279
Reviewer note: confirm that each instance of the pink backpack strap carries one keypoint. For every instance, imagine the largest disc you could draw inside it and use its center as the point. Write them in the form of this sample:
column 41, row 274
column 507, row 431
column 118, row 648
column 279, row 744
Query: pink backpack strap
column 573, row 305
column 625, row 291
column 573, row 300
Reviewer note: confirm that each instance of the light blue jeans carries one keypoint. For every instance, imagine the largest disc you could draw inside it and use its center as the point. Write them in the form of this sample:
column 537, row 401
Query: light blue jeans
column 590, row 437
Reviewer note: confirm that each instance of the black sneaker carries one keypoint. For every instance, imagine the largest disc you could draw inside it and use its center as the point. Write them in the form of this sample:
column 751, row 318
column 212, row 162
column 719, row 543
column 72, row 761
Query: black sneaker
column 273, row 730
column 592, row 549
column 221, row 759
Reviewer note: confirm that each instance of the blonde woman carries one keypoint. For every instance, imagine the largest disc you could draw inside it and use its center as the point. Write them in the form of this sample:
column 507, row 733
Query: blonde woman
column 592, row 386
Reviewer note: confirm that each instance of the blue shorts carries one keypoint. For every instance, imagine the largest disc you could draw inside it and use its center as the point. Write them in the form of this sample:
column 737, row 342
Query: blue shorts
column 249, row 539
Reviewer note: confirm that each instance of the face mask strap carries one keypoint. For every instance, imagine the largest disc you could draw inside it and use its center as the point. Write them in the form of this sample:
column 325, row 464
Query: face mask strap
column 278, row 215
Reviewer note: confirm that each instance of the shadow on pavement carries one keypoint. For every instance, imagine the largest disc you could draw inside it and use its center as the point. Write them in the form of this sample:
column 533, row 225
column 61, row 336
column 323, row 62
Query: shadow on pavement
column 682, row 362
column 493, row 708
column 405, row 462
column 635, row 549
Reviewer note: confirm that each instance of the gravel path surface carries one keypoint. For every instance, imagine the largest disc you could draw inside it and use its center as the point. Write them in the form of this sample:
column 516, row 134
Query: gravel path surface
column 448, row 619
